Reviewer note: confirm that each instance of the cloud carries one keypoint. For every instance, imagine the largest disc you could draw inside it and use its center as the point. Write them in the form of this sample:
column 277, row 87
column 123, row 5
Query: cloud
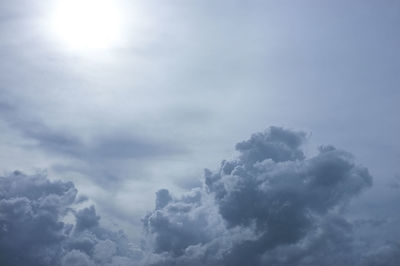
column 76, row 258
column 58, row 141
column 86, row 219
column 271, row 206
column 101, row 154
column 33, row 230
column 278, row 145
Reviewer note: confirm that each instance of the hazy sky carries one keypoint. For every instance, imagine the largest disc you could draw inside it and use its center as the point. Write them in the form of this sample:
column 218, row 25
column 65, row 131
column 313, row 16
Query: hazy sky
column 125, row 115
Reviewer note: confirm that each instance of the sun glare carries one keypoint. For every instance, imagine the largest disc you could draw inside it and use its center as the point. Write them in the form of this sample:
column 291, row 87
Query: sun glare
column 87, row 24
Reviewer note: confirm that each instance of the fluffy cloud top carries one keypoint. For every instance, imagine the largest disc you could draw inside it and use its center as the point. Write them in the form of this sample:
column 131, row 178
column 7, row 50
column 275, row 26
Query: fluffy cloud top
column 271, row 206
column 33, row 230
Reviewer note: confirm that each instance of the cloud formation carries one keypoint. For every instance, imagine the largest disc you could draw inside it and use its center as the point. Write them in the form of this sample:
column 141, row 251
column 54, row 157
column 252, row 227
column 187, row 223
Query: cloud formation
column 107, row 155
column 34, row 228
column 270, row 206
column 102, row 147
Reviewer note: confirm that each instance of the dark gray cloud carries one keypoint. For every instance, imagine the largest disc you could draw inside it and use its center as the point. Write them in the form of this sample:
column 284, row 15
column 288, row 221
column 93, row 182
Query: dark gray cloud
column 271, row 206
column 34, row 229
column 278, row 145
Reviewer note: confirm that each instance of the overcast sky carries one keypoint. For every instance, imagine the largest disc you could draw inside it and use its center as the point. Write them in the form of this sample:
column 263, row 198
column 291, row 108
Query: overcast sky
column 182, row 84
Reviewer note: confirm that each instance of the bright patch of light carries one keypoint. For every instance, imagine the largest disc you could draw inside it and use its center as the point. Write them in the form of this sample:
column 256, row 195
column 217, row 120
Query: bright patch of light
column 87, row 24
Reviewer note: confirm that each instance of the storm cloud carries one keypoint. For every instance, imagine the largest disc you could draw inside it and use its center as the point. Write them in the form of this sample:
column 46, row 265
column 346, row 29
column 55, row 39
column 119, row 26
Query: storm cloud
column 272, row 205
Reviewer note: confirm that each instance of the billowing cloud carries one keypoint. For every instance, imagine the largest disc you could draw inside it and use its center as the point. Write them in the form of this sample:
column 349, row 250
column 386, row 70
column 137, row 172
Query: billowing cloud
column 272, row 205
column 34, row 227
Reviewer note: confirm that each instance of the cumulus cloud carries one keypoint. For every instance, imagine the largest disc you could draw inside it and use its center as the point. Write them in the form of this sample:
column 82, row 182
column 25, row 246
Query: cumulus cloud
column 270, row 206
column 33, row 230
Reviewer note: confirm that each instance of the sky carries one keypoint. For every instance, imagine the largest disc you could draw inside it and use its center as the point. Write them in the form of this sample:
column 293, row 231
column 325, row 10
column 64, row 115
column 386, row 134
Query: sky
column 110, row 112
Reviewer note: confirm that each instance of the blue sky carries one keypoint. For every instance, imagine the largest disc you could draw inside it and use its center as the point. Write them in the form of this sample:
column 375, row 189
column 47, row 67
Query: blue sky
column 185, row 82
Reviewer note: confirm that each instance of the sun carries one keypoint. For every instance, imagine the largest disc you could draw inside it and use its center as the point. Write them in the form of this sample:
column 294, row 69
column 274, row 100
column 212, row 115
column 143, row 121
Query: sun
column 87, row 24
